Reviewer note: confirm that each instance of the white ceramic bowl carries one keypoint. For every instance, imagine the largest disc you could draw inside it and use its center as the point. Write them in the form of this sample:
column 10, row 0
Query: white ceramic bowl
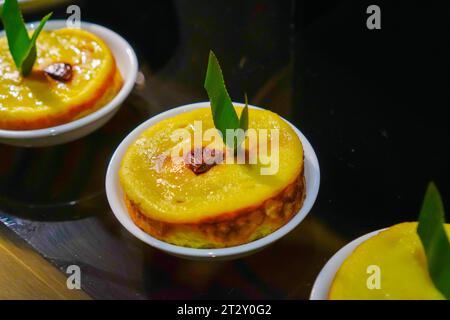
column 128, row 65
column 115, row 197
column 324, row 280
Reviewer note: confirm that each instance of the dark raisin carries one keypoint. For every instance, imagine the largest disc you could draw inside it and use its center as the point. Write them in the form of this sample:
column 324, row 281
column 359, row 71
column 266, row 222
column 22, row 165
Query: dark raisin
column 59, row 71
column 198, row 164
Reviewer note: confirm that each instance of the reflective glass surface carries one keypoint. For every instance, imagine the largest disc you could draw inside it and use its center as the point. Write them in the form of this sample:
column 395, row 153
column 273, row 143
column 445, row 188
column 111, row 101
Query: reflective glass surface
column 371, row 103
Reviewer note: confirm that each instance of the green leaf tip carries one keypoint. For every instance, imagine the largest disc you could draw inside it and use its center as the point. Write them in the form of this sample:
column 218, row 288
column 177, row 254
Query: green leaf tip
column 243, row 121
column 224, row 114
column 22, row 48
column 434, row 239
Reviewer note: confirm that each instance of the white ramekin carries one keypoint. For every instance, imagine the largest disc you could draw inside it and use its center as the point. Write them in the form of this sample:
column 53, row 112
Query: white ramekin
column 128, row 65
column 116, row 198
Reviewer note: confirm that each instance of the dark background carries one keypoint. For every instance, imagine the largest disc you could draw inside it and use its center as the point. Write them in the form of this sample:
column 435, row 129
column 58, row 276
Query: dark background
column 372, row 102
column 375, row 104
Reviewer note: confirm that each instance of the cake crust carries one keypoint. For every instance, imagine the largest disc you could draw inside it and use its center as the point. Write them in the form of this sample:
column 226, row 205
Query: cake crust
column 229, row 228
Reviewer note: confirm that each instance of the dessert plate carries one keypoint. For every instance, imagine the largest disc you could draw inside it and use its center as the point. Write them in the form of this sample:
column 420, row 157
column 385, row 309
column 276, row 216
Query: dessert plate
column 324, row 280
column 128, row 65
column 116, row 197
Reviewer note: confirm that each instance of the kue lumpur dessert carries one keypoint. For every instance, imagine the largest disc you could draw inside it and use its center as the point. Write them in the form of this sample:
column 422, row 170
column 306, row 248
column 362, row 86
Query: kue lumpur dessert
column 413, row 261
column 203, row 205
column 62, row 75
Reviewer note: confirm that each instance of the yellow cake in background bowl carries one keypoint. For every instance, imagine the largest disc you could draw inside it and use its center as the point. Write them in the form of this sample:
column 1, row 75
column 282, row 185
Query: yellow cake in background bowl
column 105, row 69
column 400, row 257
column 74, row 75
column 384, row 265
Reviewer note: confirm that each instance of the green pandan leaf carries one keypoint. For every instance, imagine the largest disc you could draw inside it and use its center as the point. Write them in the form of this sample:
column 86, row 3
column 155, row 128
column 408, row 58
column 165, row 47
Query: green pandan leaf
column 243, row 121
column 434, row 240
column 16, row 31
column 30, row 57
column 224, row 115
column 22, row 48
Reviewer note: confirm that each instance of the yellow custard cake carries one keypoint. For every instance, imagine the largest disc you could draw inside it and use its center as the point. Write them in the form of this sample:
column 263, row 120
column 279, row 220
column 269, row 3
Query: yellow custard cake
column 219, row 206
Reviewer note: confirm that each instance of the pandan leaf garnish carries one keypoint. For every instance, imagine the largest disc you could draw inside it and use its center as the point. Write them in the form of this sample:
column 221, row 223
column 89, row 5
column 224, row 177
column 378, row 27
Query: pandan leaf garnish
column 21, row 46
column 434, row 240
column 224, row 114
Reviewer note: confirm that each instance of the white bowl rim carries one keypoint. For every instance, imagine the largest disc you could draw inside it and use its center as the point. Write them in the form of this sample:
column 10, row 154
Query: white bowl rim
column 324, row 280
column 124, row 219
column 127, row 87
